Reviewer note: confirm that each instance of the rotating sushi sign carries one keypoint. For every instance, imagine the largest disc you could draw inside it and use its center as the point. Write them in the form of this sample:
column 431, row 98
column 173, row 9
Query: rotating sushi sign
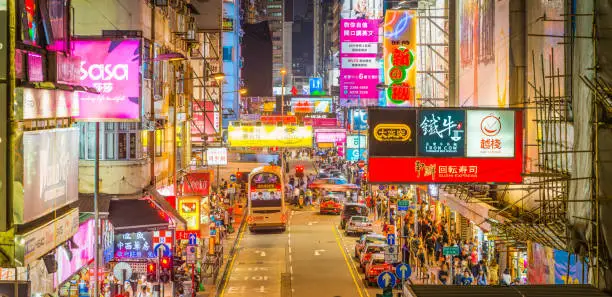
column 399, row 52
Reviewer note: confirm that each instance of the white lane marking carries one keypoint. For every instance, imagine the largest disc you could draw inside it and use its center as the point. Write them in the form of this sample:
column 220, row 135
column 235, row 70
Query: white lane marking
column 289, row 250
column 290, row 258
column 291, row 269
column 261, row 253
column 311, row 223
column 318, row 252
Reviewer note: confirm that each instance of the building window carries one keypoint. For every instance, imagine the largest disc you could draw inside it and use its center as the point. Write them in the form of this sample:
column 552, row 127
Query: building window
column 118, row 141
column 227, row 53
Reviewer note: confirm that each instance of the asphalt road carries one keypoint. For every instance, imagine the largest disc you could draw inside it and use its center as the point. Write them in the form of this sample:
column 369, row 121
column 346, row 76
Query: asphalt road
column 312, row 258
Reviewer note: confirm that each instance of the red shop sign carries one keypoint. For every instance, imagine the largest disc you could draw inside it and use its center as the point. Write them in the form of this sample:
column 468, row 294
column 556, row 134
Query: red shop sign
column 196, row 183
column 184, row 235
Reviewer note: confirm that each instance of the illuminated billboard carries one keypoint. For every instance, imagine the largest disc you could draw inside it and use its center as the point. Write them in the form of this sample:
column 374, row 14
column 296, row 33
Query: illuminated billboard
column 359, row 65
column 311, row 105
column 484, row 45
column 189, row 209
column 362, row 9
column 437, row 145
column 112, row 67
column 399, row 53
column 270, row 136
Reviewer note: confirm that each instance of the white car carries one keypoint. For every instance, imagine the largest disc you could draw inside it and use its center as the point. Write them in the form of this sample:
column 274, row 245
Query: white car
column 358, row 225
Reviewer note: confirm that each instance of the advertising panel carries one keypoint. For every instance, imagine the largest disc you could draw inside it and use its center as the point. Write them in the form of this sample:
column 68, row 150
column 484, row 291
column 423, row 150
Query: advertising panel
column 197, row 183
column 488, row 150
column 204, row 123
column 50, row 173
column 356, row 154
column 216, row 156
column 69, row 261
column 358, row 118
column 108, row 241
column 490, row 133
column 573, row 272
column 359, row 68
column 484, row 46
column 45, row 104
column 311, row 105
column 356, row 141
column 399, row 52
column 392, row 132
column 189, row 209
column 321, row 122
column 330, row 136
column 134, row 245
column 112, row 67
column 274, row 119
column 36, row 243
column 441, row 132
column 362, row 9
column 267, row 136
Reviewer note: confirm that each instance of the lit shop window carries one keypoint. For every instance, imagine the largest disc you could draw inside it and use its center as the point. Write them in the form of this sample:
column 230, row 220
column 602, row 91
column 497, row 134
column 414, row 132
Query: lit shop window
column 118, row 141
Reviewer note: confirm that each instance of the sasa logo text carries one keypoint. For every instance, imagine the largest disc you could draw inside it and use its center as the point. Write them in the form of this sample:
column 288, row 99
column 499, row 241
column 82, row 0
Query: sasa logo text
column 98, row 72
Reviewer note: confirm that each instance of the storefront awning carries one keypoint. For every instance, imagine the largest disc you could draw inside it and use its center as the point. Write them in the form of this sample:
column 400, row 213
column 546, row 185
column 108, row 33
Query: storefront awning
column 132, row 215
column 160, row 200
column 510, row 291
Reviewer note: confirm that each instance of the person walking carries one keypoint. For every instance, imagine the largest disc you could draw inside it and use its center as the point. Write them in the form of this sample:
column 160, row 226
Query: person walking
column 467, row 278
column 481, row 278
column 443, row 274
column 506, row 279
column 493, row 272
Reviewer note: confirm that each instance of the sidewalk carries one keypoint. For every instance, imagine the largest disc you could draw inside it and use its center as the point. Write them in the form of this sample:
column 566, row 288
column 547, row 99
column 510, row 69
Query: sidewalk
column 228, row 243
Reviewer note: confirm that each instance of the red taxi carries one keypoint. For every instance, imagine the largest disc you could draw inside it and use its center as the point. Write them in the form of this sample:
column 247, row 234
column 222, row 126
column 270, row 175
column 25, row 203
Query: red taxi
column 365, row 239
column 330, row 205
column 375, row 267
column 368, row 251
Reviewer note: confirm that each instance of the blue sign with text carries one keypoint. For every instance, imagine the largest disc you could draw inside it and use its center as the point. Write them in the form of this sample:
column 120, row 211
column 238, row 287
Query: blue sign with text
column 353, row 154
column 316, row 85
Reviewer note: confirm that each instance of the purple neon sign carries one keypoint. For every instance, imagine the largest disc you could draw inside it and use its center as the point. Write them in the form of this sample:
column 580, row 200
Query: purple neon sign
column 112, row 67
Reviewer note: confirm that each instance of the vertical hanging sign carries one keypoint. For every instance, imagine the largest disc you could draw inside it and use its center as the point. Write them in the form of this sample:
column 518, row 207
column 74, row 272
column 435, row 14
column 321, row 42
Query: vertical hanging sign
column 399, row 52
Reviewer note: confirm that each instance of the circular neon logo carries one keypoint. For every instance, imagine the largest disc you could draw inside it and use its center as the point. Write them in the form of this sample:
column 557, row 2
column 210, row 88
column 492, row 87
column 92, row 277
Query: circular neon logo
column 490, row 125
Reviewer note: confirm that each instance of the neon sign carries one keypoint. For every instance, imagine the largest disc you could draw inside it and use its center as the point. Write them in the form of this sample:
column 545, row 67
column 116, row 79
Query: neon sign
column 399, row 52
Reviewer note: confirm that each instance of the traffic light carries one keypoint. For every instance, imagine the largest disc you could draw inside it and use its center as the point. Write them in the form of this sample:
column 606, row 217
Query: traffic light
column 299, row 171
column 166, row 269
column 152, row 272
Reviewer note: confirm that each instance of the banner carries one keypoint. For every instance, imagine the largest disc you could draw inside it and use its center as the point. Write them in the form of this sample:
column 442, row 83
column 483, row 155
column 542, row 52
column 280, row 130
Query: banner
column 359, row 67
column 112, row 67
column 270, row 136
column 454, row 145
column 578, row 272
column 189, row 209
column 358, row 119
column 362, row 9
column 330, row 136
column 354, row 154
column 399, row 52
column 216, row 156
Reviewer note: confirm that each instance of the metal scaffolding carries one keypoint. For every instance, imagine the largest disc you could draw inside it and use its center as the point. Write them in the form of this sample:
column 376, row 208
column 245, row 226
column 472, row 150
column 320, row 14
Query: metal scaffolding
column 433, row 50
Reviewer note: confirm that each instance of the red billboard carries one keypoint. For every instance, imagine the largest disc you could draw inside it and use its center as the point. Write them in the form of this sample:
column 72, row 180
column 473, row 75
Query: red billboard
column 196, row 183
column 447, row 169
column 204, row 122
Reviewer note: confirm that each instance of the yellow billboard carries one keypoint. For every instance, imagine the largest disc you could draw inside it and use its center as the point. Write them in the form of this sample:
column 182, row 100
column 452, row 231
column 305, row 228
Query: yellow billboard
column 270, row 136
column 399, row 52
column 189, row 209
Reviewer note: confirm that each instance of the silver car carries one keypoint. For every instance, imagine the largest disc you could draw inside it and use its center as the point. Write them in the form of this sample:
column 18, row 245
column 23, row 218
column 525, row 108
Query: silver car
column 358, row 225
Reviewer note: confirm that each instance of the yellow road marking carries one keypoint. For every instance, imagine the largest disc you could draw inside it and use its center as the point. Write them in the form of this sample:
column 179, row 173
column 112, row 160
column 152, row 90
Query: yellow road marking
column 365, row 290
column 231, row 267
column 341, row 247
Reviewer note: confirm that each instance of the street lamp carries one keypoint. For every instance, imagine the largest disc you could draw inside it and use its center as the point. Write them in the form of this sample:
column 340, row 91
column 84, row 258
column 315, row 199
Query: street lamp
column 218, row 76
column 283, row 72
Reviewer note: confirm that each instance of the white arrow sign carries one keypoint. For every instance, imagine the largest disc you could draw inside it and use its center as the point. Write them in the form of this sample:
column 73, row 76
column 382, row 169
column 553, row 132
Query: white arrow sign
column 318, row 252
column 261, row 253
column 310, row 223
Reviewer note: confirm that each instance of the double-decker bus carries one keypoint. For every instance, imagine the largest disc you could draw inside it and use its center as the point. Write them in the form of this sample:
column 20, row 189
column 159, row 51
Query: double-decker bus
column 266, row 199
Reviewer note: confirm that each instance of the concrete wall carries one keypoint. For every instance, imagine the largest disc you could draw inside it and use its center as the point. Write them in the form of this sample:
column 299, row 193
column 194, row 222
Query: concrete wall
column 116, row 177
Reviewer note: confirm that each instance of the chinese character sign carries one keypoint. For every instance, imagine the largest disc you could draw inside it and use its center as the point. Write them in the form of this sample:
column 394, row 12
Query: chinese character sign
column 359, row 68
column 490, row 133
column 399, row 52
column 361, row 9
column 454, row 145
column 112, row 67
column 135, row 245
column 441, row 132
column 216, row 156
